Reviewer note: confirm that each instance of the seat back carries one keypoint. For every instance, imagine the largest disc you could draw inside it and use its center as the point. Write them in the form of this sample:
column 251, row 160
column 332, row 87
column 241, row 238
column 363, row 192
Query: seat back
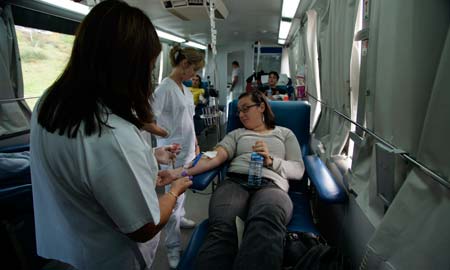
column 14, row 165
column 293, row 115
column 203, row 84
column 17, row 232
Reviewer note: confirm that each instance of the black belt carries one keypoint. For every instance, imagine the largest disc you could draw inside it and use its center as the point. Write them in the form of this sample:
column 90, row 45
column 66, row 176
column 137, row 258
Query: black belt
column 242, row 178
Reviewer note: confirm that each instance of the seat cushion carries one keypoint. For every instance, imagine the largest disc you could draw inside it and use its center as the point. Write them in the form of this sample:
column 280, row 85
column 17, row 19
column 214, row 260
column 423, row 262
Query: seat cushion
column 301, row 220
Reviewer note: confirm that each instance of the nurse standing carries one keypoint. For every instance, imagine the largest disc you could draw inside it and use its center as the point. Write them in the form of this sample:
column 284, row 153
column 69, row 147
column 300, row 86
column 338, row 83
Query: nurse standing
column 94, row 177
column 174, row 109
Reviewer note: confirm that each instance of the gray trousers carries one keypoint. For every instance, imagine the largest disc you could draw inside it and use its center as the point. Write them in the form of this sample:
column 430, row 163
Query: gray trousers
column 266, row 212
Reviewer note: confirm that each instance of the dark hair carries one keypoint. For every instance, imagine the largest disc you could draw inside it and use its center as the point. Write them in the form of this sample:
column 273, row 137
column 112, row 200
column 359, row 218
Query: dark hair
column 193, row 56
column 275, row 74
column 258, row 97
column 199, row 78
column 110, row 68
column 236, row 63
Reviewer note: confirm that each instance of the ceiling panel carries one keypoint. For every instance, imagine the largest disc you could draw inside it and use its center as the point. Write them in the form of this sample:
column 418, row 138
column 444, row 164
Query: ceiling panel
column 247, row 21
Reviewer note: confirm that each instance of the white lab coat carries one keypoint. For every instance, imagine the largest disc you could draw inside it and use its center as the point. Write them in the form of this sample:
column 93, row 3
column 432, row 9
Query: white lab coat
column 174, row 111
column 89, row 192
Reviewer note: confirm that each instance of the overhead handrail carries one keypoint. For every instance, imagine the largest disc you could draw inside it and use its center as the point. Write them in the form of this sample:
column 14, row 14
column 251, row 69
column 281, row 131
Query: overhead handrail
column 9, row 100
column 441, row 180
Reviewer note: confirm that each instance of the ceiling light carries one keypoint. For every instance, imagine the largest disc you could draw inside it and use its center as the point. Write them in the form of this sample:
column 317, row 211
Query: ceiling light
column 289, row 8
column 195, row 45
column 281, row 41
column 168, row 36
column 68, row 5
column 284, row 29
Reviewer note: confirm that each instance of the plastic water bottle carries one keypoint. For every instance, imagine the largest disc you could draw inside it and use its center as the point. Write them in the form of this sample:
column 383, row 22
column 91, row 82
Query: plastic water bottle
column 255, row 170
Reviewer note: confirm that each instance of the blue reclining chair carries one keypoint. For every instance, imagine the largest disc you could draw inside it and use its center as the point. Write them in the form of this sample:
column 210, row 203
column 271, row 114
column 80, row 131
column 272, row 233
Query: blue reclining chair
column 14, row 165
column 295, row 116
column 17, row 231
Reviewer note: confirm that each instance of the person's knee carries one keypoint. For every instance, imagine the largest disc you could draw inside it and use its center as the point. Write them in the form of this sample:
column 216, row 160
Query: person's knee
column 271, row 213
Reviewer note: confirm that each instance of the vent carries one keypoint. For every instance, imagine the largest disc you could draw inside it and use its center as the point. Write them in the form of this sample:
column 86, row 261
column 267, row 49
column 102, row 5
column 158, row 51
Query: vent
column 195, row 10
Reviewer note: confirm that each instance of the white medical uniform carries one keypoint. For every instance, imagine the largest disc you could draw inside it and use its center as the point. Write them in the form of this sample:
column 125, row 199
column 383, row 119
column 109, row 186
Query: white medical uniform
column 89, row 192
column 174, row 111
column 236, row 72
column 237, row 89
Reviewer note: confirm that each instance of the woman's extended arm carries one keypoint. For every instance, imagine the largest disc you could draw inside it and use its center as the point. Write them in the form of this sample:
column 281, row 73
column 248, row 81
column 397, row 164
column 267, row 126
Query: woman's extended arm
column 206, row 164
column 153, row 128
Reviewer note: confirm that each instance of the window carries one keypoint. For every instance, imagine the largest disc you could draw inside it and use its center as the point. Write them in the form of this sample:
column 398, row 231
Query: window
column 269, row 59
column 44, row 56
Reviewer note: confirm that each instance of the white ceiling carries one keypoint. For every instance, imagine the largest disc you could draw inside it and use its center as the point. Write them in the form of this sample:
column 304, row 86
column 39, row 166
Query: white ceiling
column 248, row 20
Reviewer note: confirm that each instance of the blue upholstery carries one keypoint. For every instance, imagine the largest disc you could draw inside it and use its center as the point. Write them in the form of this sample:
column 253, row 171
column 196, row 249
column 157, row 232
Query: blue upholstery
column 21, row 173
column 197, row 238
column 301, row 220
column 295, row 115
column 327, row 188
column 201, row 181
column 203, row 84
column 15, row 148
column 17, row 234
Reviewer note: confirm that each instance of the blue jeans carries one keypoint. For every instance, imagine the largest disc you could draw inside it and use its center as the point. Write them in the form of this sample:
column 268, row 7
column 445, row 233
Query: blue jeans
column 266, row 212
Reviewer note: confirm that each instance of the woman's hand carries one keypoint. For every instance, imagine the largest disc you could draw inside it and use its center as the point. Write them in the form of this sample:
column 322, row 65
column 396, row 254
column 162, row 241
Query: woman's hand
column 180, row 185
column 166, row 177
column 261, row 148
column 164, row 155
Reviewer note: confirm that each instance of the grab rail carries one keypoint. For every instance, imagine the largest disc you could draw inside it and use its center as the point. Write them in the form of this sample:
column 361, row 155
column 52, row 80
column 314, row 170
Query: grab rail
column 435, row 176
column 9, row 100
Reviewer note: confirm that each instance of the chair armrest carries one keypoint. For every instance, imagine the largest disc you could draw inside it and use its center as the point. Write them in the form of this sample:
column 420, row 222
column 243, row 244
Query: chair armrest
column 327, row 188
column 15, row 148
column 201, row 181
column 191, row 251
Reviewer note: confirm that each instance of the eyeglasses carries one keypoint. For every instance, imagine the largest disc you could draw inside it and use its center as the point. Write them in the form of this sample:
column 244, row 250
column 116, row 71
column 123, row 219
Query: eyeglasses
column 245, row 109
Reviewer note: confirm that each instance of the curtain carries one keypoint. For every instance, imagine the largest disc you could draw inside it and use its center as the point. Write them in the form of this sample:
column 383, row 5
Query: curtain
column 312, row 76
column 402, row 66
column 336, row 39
column 14, row 116
column 294, row 56
column 167, row 68
column 419, row 214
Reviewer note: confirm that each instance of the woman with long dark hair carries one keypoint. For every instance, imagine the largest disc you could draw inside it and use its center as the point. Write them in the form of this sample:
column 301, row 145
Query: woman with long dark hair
column 93, row 175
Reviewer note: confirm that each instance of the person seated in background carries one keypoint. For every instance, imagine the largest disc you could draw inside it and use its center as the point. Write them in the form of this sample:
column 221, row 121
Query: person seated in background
column 254, row 81
column 272, row 91
column 197, row 91
column 200, row 101
column 267, row 208
column 272, row 83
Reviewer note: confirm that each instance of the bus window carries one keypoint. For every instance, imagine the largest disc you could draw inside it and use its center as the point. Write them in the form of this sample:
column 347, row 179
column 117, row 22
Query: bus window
column 44, row 55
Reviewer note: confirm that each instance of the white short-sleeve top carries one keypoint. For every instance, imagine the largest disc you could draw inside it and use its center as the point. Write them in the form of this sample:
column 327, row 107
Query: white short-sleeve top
column 89, row 192
column 174, row 111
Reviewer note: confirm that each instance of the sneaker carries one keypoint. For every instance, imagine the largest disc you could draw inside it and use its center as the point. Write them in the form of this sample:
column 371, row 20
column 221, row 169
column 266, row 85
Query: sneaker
column 173, row 255
column 186, row 223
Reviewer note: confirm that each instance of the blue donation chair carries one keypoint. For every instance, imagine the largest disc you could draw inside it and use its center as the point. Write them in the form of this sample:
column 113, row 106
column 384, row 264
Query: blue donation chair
column 294, row 115
column 17, row 234
column 14, row 165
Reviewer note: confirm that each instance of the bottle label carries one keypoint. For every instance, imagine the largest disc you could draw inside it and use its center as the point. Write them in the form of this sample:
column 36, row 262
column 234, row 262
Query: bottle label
column 255, row 170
